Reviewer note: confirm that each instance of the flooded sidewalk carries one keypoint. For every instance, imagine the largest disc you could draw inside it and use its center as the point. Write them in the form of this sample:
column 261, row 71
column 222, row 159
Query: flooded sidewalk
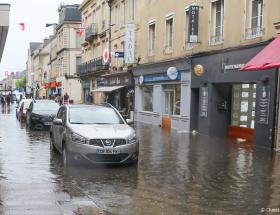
column 177, row 173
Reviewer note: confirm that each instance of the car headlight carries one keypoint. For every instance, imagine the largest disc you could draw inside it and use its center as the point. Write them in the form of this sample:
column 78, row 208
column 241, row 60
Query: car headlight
column 76, row 138
column 132, row 139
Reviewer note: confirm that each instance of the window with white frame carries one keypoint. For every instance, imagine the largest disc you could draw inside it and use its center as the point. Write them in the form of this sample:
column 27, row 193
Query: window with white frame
column 254, row 19
column 169, row 35
column 152, row 38
column 147, row 99
column 217, row 22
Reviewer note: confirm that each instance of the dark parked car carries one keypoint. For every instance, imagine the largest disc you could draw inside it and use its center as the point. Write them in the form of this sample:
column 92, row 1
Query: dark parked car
column 41, row 113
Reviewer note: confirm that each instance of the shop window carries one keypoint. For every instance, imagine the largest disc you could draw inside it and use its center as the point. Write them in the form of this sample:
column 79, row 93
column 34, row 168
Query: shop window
column 172, row 98
column 147, row 98
column 243, row 105
column 254, row 19
column 217, row 22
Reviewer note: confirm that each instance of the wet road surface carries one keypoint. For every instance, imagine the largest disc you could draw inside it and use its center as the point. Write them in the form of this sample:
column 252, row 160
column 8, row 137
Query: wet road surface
column 177, row 173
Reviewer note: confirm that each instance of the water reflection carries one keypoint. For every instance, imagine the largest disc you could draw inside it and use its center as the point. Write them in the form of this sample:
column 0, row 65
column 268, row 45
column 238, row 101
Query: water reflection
column 178, row 173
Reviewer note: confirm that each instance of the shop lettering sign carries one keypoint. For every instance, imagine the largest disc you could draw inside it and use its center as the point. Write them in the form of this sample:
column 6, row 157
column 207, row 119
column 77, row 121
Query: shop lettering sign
column 160, row 77
column 232, row 67
column 193, row 24
column 204, row 102
column 129, row 43
column 264, row 103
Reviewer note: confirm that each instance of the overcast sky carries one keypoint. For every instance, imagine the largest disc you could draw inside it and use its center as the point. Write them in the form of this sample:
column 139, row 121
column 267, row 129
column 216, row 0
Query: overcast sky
column 35, row 14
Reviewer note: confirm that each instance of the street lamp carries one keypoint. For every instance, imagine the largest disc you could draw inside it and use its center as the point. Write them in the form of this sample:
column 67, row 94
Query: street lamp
column 110, row 2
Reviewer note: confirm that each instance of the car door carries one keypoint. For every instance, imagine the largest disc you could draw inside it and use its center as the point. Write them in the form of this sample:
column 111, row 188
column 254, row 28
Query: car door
column 55, row 127
column 28, row 113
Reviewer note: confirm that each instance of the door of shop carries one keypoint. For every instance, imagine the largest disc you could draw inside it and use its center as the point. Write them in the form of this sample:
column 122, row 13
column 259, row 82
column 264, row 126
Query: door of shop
column 168, row 108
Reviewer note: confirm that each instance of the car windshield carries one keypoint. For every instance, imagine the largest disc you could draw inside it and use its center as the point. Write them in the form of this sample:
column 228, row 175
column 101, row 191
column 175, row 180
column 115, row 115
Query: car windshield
column 41, row 106
column 94, row 115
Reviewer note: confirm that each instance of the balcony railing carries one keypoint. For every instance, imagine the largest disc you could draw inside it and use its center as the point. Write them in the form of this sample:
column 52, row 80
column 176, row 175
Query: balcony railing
column 216, row 40
column 254, row 32
column 91, row 32
column 91, row 66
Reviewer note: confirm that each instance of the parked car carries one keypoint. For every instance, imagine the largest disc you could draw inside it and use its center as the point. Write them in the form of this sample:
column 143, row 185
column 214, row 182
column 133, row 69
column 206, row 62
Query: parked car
column 41, row 113
column 22, row 109
column 94, row 133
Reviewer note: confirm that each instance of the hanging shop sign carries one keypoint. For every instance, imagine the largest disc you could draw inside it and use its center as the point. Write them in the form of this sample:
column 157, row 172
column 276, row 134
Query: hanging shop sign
column 263, row 104
column 198, row 70
column 193, row 24
column 129, row 43
column 204, row 102
column 172, row 73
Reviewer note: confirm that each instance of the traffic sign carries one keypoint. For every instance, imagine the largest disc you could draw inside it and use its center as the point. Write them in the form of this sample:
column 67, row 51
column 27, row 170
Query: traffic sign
column 105, row 56
column 119, row 54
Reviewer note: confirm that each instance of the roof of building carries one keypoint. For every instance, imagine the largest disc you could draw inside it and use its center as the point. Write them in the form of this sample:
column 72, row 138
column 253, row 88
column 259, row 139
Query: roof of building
column 72, row 13
column 34, row 46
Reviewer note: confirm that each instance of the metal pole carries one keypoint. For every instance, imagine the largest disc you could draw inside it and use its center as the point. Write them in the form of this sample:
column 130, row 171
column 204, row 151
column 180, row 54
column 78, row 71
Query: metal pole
column 110, row 30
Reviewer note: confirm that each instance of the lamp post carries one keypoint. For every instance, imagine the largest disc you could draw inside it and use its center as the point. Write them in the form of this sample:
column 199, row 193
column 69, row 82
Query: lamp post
column 110, row 2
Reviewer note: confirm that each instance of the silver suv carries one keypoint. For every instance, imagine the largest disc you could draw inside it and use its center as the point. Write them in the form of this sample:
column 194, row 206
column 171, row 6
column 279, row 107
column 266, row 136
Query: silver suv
column 94, row 133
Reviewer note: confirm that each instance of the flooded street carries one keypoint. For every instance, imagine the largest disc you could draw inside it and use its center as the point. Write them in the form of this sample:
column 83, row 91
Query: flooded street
column 177, row 173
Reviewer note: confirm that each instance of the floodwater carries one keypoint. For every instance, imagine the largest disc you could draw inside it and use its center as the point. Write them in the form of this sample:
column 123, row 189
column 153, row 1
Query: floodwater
column 177, row 173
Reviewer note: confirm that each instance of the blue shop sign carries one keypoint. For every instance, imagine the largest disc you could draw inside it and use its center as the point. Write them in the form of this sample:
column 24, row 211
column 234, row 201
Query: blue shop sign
column 160, row 77
column 100, row 82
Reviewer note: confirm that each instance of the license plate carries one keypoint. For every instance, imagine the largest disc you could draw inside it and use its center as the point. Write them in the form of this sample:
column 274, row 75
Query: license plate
column 108, row 151
column 48, row 123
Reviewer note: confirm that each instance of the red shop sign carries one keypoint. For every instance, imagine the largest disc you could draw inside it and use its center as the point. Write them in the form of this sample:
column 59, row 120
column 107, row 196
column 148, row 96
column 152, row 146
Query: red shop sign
column 53, row 84
column 59, row 84
column 47, row 85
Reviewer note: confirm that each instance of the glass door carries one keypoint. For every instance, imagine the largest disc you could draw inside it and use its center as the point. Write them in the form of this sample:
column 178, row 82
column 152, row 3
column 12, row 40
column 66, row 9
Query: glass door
column 169, row 102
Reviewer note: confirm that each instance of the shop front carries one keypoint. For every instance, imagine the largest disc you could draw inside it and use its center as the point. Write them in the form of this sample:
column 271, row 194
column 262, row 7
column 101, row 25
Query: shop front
column 227, row 102
column 52, row 89
column 86, row 91
column 162, row 94
column 117, row 89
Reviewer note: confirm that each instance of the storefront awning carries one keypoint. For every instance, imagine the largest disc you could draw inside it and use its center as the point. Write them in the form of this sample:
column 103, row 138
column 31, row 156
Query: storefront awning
column 268, row 58
column 107, row 89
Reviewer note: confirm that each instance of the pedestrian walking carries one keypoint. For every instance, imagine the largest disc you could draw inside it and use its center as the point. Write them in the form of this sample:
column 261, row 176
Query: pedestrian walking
column 3, row 102
column 8, row 101
column 66, row 99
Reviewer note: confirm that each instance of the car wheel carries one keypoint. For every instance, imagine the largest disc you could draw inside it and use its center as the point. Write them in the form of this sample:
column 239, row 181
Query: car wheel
column 39, row 126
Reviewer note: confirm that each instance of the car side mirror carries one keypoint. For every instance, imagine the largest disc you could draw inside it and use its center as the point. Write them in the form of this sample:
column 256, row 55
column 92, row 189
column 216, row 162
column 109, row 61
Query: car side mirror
column 57, row 121
column 129, row 121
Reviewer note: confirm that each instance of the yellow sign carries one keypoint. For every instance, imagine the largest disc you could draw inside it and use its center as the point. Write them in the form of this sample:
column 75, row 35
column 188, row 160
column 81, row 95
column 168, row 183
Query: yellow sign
column 198, row 70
